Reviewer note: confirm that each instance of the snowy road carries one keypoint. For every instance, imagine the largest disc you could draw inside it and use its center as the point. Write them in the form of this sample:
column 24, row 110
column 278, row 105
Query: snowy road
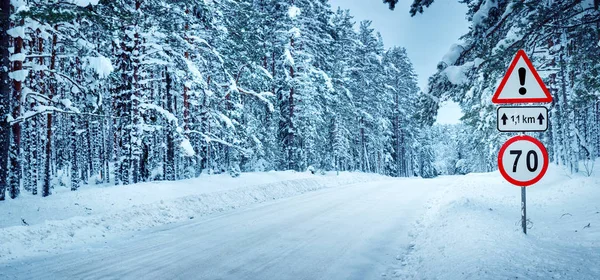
column 352, row 232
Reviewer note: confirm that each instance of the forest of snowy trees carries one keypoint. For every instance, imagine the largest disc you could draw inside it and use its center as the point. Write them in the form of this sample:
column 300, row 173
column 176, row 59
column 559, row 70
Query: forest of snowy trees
column 126, row 91
column 138, row 90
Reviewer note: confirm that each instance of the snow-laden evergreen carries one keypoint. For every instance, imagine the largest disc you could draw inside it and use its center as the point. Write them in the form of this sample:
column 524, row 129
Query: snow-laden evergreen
column 561, row 38
column 130, row 91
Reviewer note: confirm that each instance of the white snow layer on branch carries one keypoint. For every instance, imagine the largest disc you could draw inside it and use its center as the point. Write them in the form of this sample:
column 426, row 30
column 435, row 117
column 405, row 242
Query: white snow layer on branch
column 391, row 88
column 101, row 65
column 69, row 105
column 294, row 32
column 483, row 11
column 514, row 34
column 328, row 82
column 17, row 31
column 187, row 148
column 211, row 139
column 457, row 75
column 18, row 3
column 154, row 61
column 30, row 94
column 451, row 56
column 18, row 75
column 271, row 76
column 18, row 57
column 85, row 44
column 168, row 115
column 293, row 12
column 262, row 97
column 287, row 58
column 194, row 71
column 226, row 120
column 84, row 3
column 37, row 110
column 20, row 6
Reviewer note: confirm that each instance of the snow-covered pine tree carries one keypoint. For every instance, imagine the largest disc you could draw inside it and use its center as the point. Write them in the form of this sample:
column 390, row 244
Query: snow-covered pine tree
column 340, row 103
column 402, row 85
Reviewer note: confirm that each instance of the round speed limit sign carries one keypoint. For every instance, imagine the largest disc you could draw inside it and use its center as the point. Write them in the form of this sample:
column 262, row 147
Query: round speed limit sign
column 523, row 160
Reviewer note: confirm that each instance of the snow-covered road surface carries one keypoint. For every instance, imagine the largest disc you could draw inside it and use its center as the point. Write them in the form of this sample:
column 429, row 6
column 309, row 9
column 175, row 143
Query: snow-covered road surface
column 351, row 232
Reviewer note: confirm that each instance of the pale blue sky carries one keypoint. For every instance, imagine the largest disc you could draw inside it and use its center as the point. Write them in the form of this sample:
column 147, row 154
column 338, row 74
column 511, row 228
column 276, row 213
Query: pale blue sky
column 427, row 37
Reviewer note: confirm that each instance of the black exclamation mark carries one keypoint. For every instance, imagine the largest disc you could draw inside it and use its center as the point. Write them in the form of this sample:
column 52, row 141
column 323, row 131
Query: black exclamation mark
column 522, row 73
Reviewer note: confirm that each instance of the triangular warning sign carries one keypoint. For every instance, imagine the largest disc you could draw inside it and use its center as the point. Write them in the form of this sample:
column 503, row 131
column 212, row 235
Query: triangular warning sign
column 521, row 84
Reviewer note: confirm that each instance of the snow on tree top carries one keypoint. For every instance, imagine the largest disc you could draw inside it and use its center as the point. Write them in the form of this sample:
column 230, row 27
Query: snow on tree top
column 17, row 31
column 295, row 32
column 293, row 12
column 288, row 59
column 453, row 55
column 186, row 146
column 457, row 75
column 19, row 5
column 483, row 12
column 101, row 65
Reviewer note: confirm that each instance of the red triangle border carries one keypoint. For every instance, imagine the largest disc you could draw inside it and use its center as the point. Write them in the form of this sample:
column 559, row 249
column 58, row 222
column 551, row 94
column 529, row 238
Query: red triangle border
column 496, row 100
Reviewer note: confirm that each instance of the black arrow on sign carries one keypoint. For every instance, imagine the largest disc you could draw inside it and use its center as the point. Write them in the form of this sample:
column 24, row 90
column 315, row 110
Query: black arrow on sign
column 504, row 119
column 541, row 118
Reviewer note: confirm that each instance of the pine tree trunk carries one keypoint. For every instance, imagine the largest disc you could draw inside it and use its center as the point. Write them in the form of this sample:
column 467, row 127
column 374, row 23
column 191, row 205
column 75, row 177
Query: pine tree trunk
column 42, row 90
column 4, row 95
column 89, row 150
column 101, row 152
column 566, row 116
column 397, row 132
column 15, row 162
column 204, row 161
column 124, row 109
column 362, row 147
column 47, row 170
column 30, row 150
column 135, row 130
column 290, row 145
column 169, row 170
column 597, row 129
column 75, row 175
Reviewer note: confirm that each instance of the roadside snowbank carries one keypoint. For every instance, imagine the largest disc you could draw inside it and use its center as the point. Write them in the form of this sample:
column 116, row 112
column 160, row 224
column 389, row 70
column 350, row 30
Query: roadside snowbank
column 92, row 214
column 472, row 230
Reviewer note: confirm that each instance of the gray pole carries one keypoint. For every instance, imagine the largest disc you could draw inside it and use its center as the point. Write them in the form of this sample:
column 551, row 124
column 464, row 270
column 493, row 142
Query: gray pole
column 523, row 210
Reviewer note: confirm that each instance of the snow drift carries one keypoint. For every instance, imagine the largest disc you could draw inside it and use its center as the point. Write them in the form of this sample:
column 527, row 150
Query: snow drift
column 472, row 230
column 94, row 214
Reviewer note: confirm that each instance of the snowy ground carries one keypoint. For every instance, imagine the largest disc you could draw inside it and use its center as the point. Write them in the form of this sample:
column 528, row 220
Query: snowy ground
column 92, row 214
column 352, row 231
column 472, row 230
column 287, row 225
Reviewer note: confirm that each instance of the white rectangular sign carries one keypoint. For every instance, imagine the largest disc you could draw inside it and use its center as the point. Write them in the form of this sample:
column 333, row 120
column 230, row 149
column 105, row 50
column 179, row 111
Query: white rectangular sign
column 522, row 119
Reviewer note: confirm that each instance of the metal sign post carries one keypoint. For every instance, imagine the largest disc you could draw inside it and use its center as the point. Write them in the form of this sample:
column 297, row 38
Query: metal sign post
column 524, row 209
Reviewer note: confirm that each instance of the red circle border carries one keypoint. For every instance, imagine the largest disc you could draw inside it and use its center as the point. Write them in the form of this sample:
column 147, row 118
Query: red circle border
column 544, row 154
